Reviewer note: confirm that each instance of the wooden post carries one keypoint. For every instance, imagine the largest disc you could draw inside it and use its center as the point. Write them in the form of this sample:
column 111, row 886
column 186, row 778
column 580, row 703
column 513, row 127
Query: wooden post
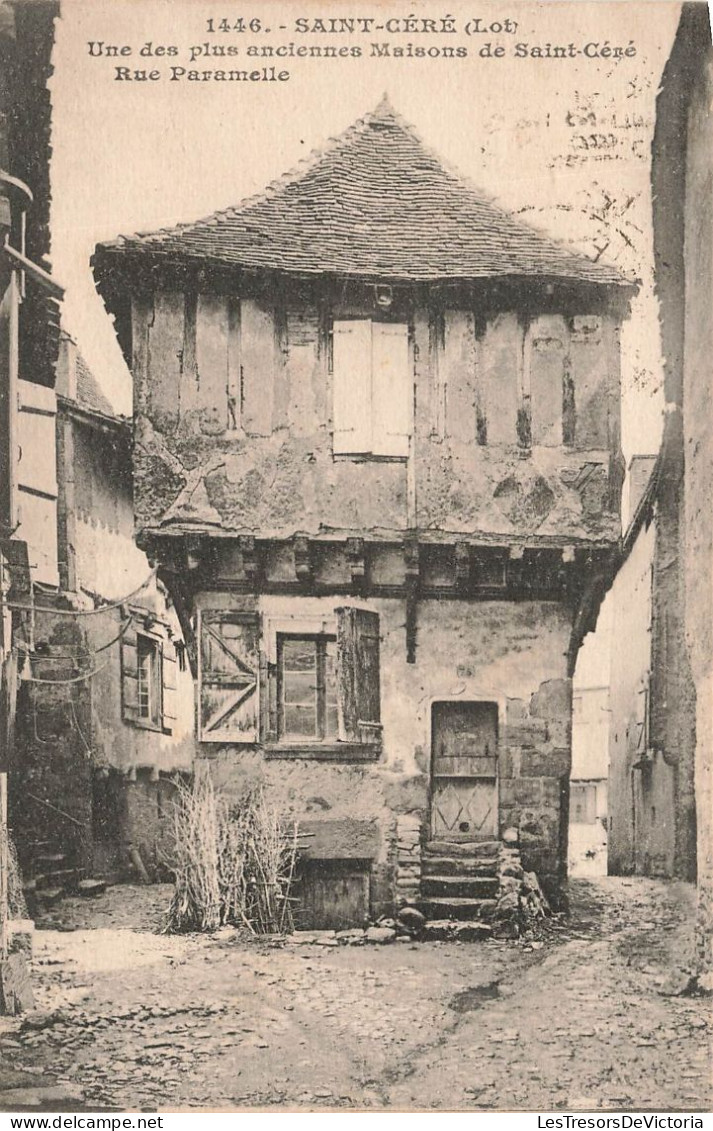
column 4, row 869
column 7, row 691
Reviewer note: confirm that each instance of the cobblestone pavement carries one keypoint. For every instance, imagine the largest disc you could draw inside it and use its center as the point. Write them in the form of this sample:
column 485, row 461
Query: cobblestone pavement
column 588, row 1018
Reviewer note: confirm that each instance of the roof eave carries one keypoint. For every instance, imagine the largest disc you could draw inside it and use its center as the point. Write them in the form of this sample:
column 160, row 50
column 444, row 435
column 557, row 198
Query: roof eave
column 153, row 258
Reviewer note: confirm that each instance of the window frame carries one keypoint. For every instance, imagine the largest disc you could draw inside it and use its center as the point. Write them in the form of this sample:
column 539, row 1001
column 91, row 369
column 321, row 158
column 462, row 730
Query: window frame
column 376, row 436
column 321, row 640
column 332, row 748
column 152, row 647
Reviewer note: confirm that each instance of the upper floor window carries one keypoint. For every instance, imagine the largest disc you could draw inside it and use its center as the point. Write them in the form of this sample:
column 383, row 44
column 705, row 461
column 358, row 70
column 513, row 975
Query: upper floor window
column 373, row 388
column 148, row 674
column 150, row 680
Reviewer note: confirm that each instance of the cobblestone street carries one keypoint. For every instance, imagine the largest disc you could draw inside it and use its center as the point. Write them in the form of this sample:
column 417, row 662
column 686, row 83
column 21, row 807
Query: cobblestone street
column 590, row 1017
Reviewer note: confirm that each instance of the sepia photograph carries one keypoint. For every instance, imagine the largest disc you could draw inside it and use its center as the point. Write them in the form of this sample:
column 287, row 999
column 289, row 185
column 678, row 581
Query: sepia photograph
column 356, row 560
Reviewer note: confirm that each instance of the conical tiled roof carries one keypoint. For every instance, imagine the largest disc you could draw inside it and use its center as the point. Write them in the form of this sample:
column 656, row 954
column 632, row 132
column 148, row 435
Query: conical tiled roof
column 374, row 203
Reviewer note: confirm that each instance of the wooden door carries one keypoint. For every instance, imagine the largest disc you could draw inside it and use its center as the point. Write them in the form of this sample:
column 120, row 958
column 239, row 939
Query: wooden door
column 464, row 788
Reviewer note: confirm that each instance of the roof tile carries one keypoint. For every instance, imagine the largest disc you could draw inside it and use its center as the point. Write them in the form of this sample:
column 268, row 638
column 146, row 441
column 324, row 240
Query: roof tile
column 374, row 203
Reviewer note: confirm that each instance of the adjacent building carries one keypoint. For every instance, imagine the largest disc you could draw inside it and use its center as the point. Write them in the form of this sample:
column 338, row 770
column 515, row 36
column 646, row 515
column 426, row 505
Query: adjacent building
column 588, row 805
column 683, row 245
column 105, row 703
column 377, row 458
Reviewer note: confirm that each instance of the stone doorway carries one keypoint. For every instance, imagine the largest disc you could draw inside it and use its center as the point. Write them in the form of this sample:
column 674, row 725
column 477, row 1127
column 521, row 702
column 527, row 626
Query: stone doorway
column 464, row 761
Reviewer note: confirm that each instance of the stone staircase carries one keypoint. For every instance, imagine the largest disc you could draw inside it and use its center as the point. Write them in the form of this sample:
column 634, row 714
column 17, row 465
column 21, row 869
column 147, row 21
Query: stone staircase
column 53, row 875
column 460, row 884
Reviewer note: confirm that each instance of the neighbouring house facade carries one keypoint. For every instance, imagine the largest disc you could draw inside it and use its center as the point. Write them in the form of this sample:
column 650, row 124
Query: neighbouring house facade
column 29, row 298
column 652, row 824
column 683, row 246
column 588, row 808
column 105, row 701
column 377, row 458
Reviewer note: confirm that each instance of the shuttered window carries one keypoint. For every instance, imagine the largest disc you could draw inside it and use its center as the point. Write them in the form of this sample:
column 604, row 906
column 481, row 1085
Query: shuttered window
column 148, row 678
column 228, row 675
column 148, row 654
column 373, row 388
column 322, row 687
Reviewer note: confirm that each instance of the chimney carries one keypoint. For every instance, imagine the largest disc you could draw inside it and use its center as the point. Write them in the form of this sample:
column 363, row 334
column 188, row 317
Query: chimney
column 66, row 384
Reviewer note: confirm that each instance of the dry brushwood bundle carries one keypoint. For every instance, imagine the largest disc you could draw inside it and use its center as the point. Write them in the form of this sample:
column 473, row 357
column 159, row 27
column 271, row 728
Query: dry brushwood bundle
column 232, row 864
column 196, row 899
column 272, row 859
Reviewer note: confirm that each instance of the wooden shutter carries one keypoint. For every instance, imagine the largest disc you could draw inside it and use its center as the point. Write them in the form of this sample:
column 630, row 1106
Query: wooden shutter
column 228, row 677
column 37, row 478
column 129, row 676
column 351, row 365
column 169, row 697
column 358, row 682
column 392, row 389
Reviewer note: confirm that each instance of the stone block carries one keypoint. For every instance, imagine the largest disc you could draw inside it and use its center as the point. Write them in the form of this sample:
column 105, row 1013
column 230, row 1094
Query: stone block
column 411, row 919
column 436, row 930
column 552, row 793
column 560, row 732
column 473, row 932
column 527, row 791
column 408, row 821
column 515, row 709
column 406, row 794
column 380, row 934
column 552, row 700
column 545, row 763
column 527, row 732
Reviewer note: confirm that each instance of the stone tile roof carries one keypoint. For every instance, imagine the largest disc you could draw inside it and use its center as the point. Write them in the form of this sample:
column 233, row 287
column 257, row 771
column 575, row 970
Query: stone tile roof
column 374, row 203
column 89, row 395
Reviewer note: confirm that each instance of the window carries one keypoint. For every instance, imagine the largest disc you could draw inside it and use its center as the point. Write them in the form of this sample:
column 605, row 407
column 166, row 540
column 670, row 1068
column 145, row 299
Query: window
column 148, row 653
column 583, row 804
column 307, row 687
column 373, row 388
column 148, row 674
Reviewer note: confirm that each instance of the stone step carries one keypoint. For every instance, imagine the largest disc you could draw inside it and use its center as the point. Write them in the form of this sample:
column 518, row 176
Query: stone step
column 45, row 861
column 455, row 907
column 470, row 848
column 91, row 887
column 66, row 878
column 471, row 887
column 458, row 866
column 468, row 930
column 49, row 896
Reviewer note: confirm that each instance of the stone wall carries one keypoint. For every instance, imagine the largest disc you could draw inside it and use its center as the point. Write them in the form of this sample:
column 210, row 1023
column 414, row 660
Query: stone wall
column 629, row 690
column 698, row 439
column 510, row 653
column 683, row 221
column 68, row 733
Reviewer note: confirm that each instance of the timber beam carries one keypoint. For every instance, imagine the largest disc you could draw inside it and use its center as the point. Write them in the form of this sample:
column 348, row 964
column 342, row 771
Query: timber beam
column 412, row 560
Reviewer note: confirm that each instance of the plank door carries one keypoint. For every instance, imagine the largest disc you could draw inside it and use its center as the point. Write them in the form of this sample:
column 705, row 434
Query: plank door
column 464, row 787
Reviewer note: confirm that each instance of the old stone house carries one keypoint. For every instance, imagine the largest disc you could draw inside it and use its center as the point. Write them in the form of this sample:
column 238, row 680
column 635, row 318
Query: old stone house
column 88, row 775
column 377, row 457
column 105, row 700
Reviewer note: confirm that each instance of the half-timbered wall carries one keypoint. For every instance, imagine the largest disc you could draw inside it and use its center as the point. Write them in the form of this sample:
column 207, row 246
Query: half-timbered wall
column 281, row 413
